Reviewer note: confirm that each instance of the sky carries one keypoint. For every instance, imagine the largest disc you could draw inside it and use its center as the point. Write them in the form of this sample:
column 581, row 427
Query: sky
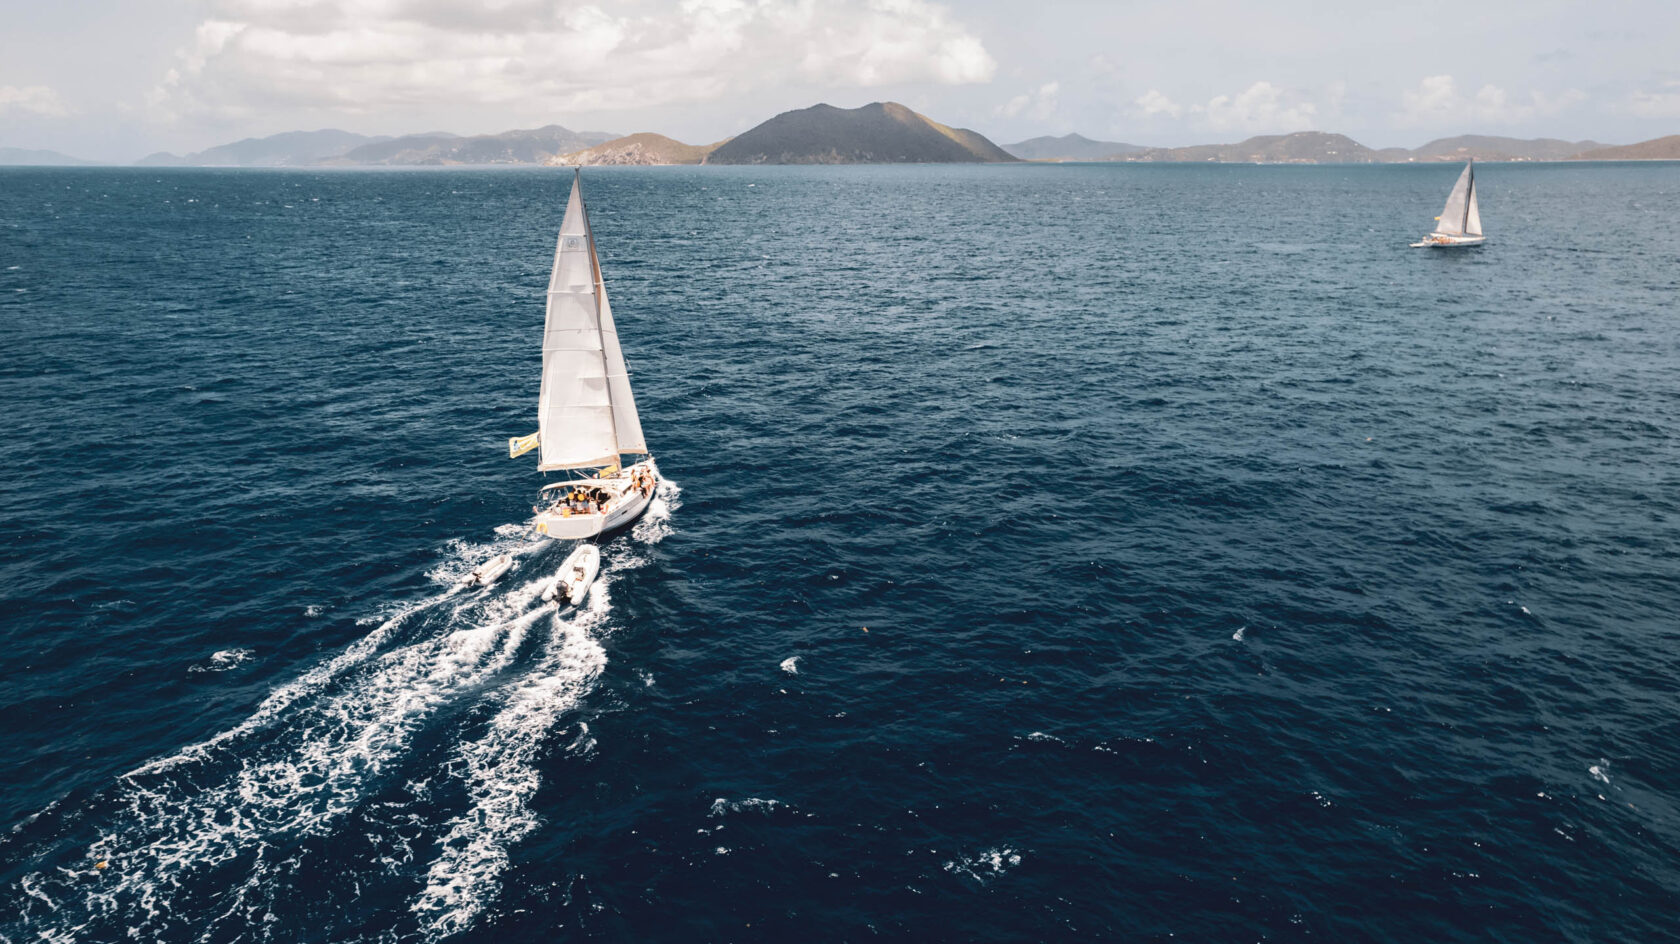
column 114, row 80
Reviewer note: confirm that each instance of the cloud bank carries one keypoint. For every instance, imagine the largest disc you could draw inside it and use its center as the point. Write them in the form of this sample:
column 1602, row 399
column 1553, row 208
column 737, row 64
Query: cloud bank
column 31, row 99
column 1262, row 107
column 367, row 56
column 1436, row 100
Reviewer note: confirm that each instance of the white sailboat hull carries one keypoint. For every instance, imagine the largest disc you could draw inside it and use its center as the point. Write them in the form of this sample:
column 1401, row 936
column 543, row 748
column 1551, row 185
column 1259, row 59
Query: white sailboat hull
column 629, row 503
column 1443, row 241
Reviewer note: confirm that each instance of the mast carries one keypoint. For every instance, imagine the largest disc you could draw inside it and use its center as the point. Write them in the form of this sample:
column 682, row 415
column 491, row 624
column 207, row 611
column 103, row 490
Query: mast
column 1464, row 227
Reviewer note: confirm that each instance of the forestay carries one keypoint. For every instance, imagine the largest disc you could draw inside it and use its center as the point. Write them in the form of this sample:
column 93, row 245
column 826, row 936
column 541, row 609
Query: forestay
column 585, row 411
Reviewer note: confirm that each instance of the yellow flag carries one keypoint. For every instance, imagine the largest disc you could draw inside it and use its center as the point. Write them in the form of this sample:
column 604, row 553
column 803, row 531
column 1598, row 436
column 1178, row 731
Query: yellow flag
column 519, row 445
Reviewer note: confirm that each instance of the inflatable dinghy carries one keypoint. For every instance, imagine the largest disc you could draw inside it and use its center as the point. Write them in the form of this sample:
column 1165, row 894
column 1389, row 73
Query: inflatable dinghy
column 571, row 584
column 488, row 572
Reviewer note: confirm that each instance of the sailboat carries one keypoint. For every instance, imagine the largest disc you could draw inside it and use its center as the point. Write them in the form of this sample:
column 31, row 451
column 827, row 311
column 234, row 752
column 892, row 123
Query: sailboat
column 587, row 423
column 1460, row 224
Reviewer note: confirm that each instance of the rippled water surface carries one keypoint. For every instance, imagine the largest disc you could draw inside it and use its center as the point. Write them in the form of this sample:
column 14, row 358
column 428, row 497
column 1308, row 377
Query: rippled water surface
column 1049, row 552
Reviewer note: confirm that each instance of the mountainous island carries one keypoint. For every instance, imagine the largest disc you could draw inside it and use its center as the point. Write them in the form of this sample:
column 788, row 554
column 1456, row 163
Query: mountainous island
column 1656, row 149
column 878, row 133
column 334, row 147
column 1070, row 147
column 30, row 157
column 1305, row 147
column 643, row 148
column 1484, row 147
column 276, row 150
column 510, row 147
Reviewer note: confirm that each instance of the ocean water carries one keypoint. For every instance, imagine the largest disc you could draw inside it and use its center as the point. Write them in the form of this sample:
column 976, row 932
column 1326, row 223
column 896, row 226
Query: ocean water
column 1049, row 553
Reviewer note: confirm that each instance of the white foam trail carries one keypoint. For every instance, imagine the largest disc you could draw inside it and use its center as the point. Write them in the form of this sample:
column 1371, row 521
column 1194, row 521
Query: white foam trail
column 314, row 748
column 283, row 697
column 348, row 720
column 325, row 673
column 501, row 775
column 175, row 827
column 500, row 767
column 655, row 525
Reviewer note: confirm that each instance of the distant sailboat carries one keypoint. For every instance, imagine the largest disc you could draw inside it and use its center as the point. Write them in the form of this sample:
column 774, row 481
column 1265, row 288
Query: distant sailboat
column 1460, row 224
column 586, row 415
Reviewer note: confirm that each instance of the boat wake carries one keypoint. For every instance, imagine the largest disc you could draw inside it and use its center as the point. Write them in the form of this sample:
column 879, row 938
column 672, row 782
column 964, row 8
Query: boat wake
column 415, row 748
column 500, row 775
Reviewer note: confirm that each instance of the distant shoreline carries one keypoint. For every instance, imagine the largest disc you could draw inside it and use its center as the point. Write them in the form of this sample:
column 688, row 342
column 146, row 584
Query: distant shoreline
column 879, row 133
column 432, row 168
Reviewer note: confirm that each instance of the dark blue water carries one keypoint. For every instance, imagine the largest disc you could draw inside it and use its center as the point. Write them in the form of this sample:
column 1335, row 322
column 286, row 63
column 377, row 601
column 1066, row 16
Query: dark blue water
column 1051, row 553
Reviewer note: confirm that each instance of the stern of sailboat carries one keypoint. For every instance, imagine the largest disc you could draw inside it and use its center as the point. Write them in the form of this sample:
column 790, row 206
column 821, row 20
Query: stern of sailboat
column 583, row 508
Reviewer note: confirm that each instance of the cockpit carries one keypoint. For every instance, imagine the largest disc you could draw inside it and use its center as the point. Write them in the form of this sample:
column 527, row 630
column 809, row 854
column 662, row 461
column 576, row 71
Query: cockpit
column 572, row 498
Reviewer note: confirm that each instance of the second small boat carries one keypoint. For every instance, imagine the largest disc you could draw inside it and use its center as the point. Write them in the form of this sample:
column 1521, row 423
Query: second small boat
column 1460, row 223
column 488, row 572
column 575, row 577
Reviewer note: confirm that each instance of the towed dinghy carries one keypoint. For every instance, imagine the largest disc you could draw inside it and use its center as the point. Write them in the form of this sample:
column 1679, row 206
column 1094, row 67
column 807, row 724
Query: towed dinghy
column 571, row 584
column 488, row 572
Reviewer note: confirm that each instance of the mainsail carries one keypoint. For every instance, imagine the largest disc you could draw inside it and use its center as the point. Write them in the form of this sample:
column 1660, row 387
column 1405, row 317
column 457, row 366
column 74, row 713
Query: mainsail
column 585, row 412
column 1461, row 216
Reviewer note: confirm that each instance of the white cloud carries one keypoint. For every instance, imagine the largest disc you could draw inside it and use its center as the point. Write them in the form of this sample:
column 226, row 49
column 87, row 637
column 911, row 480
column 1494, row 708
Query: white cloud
column 1154, row 103
column 1039, row 105
column 33, row 99
column 1663, row 102
column 357, row 56
column 1435, row 97
column 1492, row 97
column 1437, row 101
column 1260, row 107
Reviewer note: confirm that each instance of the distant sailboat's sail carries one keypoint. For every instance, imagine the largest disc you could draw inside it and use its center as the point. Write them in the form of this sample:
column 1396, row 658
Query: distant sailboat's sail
column 575, row 414
column 1456, row 215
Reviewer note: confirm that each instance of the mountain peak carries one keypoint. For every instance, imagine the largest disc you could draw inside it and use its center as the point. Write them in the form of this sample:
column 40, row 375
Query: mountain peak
column 877, row 133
